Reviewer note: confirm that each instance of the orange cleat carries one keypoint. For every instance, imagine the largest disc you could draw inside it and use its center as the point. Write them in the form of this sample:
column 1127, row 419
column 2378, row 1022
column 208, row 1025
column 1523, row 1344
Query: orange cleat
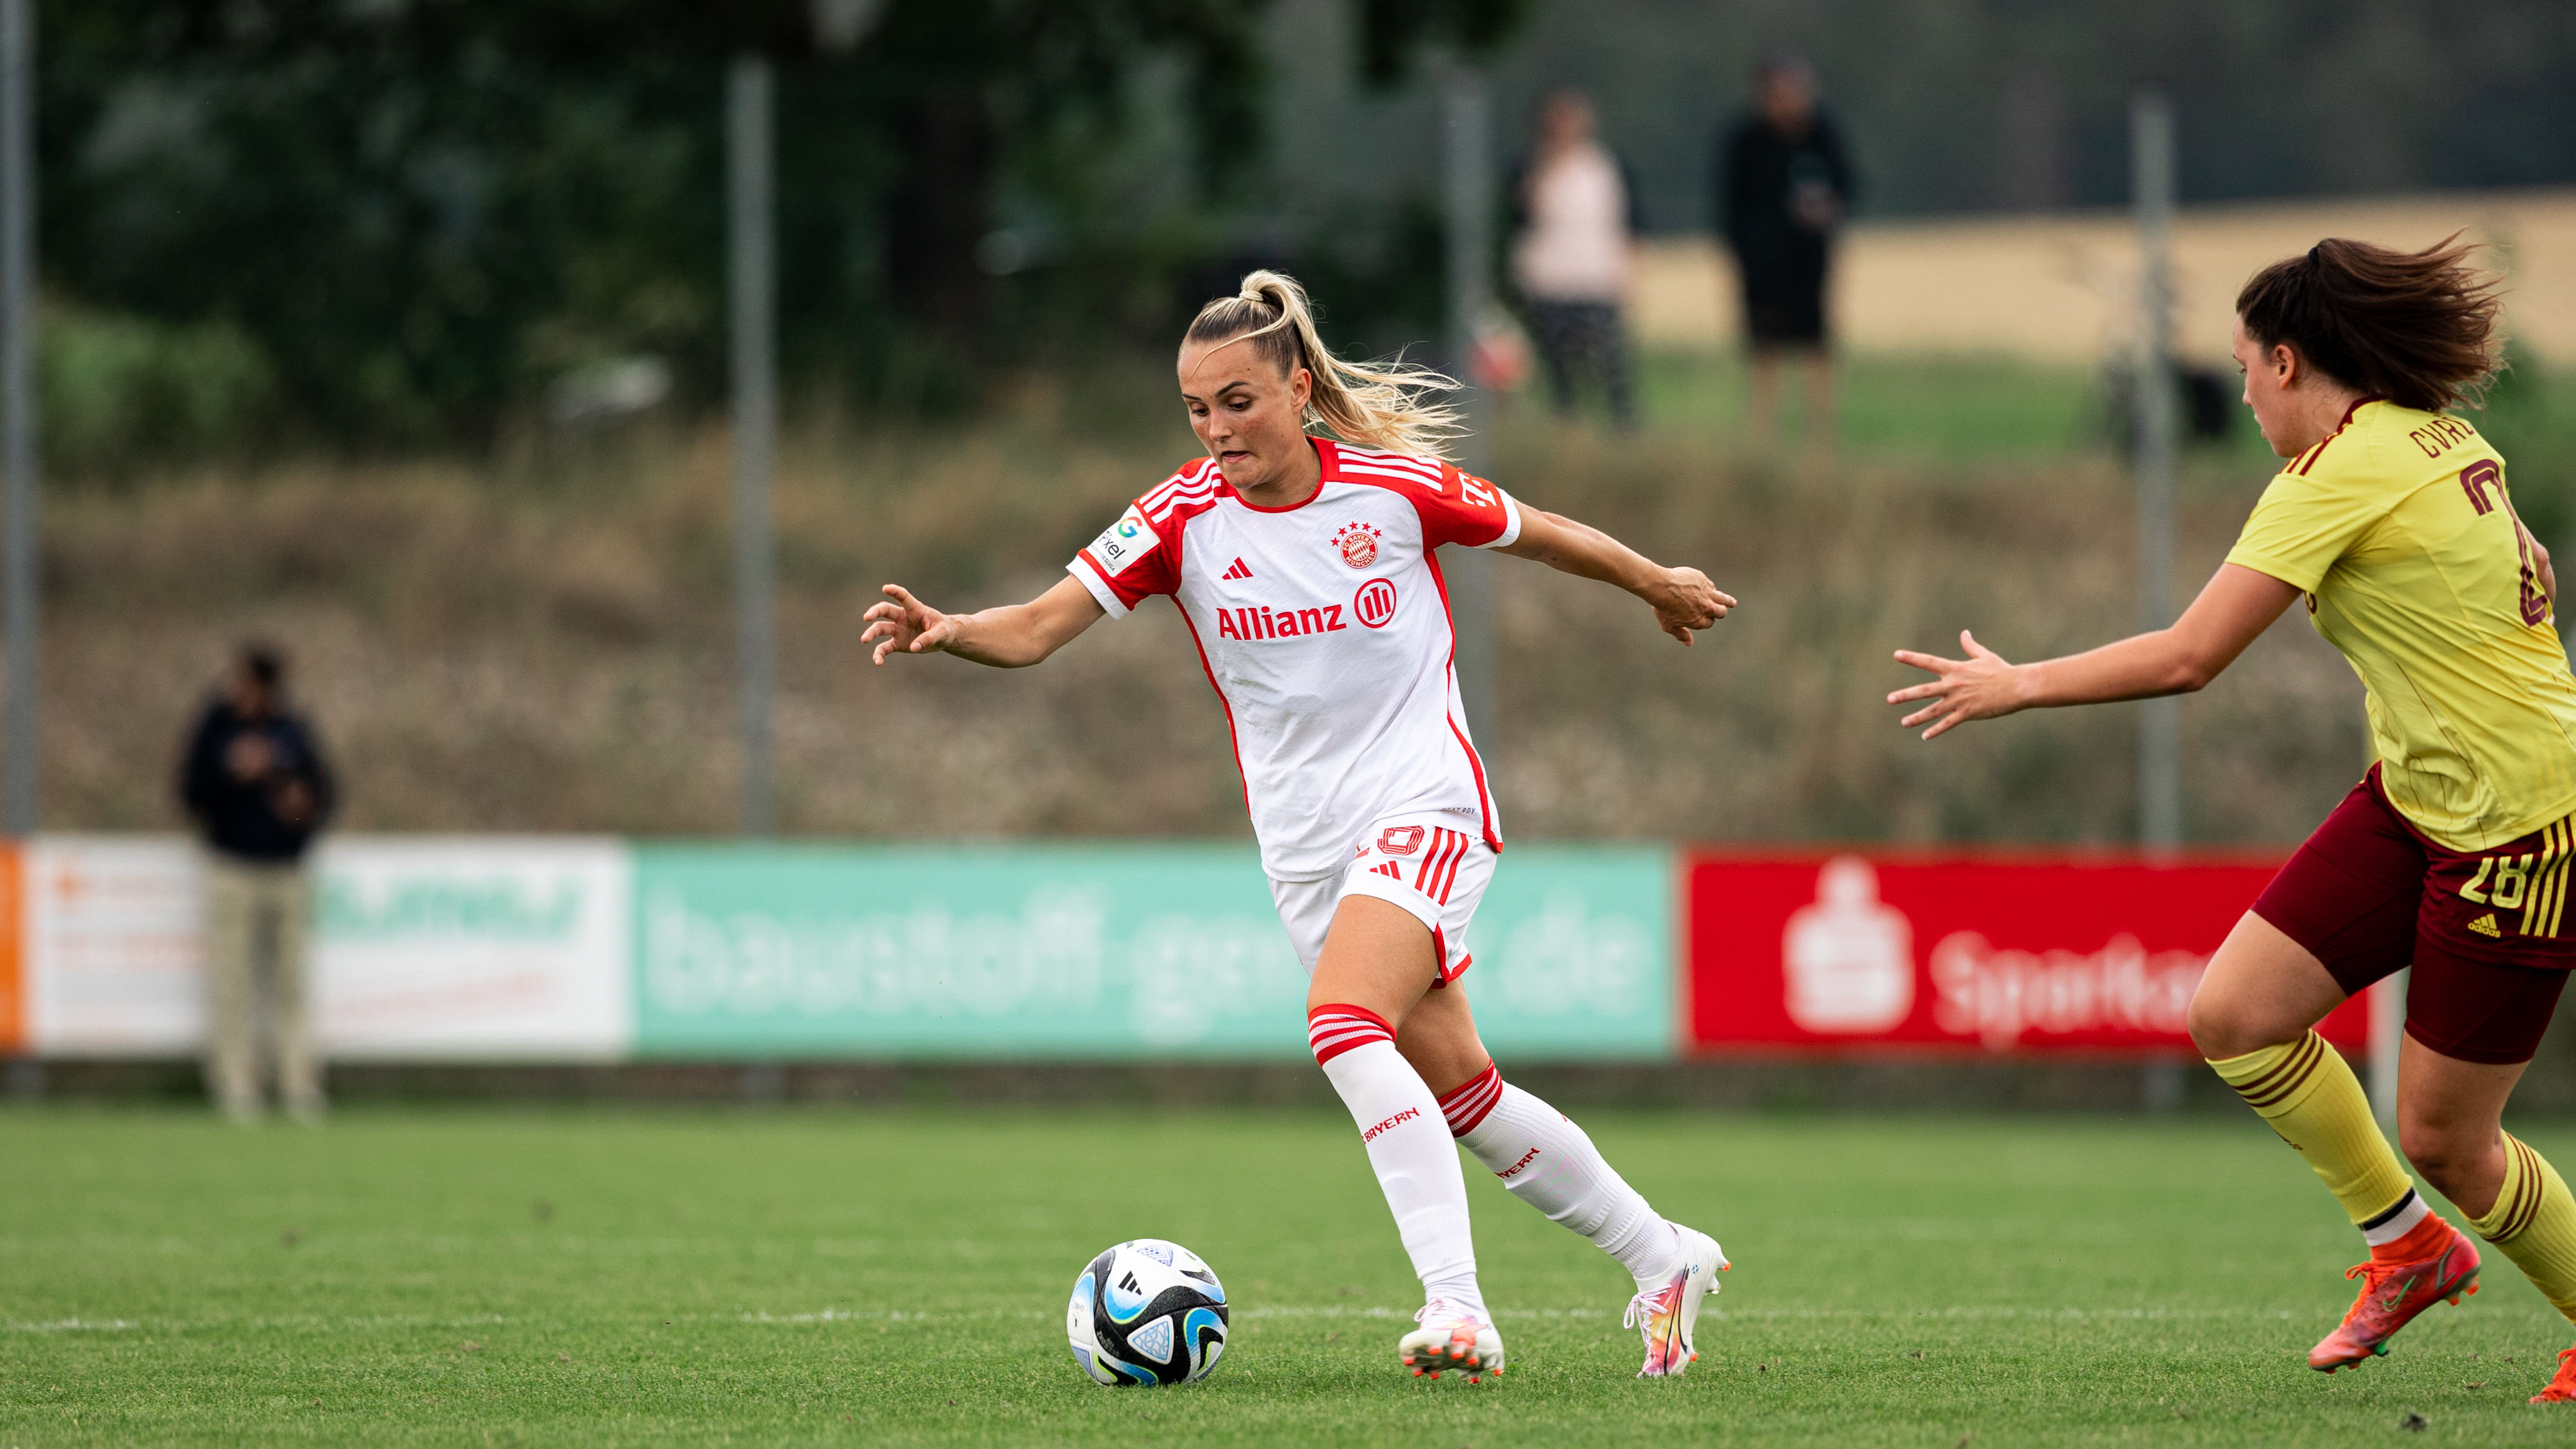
column 2562, row 1388
column 2394, row 1291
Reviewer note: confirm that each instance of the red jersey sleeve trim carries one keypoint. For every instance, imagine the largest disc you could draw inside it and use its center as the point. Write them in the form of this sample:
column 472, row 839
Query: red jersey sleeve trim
column 1101, row 589
column 1120, row 567
column 1454, row 506
column 1511, row 511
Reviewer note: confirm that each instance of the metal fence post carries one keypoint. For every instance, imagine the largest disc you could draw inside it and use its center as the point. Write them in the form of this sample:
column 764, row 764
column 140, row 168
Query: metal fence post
column 19, row 600
column 755, row 427
column 2151, row 180
column 2151, row 160
column 1468, row 194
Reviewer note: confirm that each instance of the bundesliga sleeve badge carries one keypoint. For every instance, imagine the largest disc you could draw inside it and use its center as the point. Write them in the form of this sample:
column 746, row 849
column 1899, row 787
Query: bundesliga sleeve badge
column 1358, row 543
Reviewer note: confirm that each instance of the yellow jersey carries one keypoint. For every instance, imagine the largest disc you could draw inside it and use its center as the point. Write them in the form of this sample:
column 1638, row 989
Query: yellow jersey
column 2398, row 529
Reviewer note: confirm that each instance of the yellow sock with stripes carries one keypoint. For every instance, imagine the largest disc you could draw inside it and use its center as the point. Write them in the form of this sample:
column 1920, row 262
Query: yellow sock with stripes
column 2534, row 1222
column 2314, row 1101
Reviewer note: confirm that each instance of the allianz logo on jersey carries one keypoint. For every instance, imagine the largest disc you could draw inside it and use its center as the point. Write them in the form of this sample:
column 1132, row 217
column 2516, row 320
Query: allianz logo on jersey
column 1373, row 605
column 1263, row 622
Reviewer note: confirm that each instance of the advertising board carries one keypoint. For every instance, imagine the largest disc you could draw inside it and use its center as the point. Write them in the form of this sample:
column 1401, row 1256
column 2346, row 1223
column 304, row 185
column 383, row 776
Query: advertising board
column 109, row 936
column 1854, row 952
column 465, row 947
column 433, row 948
column 569, row 949
column 13, row 950
column 1099, row 951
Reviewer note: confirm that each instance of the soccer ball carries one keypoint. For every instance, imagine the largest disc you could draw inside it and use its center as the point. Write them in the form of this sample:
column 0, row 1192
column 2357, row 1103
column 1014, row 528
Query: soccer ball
column 1147, row 1312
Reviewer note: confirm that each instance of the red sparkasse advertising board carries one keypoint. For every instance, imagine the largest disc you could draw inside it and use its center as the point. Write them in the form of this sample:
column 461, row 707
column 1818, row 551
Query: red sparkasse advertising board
column 1861, row 951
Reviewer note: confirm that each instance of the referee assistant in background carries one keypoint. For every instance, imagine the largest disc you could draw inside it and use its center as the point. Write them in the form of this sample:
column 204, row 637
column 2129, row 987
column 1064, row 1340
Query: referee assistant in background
column 254, row 780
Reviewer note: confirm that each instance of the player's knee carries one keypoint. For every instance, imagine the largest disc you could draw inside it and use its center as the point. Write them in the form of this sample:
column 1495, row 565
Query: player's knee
column 2221, row 1028
column 1439, row 1038
column 2440, row 1162
column 2444, row 1151
column 2226, row 1022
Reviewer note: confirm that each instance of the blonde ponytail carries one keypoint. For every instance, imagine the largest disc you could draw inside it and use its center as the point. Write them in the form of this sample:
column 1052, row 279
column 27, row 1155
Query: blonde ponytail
column 1376, row 405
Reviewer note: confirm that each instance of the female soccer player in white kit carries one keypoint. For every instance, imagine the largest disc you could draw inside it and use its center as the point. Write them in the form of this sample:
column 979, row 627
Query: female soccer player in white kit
column 1304, row 567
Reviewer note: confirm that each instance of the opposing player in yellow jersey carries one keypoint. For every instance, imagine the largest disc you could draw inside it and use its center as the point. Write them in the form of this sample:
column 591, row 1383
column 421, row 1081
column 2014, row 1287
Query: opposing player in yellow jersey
column 2393, row 521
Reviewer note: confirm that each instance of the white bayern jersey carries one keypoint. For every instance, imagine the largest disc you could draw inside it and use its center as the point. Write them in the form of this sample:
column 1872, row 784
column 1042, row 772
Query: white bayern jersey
column 1325, row 629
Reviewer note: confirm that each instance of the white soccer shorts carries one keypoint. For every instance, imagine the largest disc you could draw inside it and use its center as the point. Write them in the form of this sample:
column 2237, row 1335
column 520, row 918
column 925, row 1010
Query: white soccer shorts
column 1433, row 863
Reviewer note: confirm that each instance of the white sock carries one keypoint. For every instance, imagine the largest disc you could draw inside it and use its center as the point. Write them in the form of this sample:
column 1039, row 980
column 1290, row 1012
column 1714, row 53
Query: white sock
column 2398, row 1221
column 1408, row 1145
column 1548, row 1162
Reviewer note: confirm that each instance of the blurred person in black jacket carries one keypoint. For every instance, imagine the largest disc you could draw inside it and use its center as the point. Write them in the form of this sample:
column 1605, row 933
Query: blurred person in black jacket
column 255, row 782
column 1785, row 184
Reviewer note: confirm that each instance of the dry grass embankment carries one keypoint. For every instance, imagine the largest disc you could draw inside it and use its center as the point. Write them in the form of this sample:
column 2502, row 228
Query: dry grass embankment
column 2063, row 286
column 544, row 645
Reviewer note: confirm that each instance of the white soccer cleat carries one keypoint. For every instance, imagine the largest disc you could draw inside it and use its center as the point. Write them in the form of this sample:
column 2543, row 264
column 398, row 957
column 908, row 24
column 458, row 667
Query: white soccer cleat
column 1451, row 1340
column 1666, row 1317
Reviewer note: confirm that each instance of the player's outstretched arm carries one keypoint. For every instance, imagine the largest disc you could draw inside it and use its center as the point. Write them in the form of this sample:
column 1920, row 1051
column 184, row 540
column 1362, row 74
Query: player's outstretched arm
column 1010, row 637
column 2235, row 606
column 1683, row 599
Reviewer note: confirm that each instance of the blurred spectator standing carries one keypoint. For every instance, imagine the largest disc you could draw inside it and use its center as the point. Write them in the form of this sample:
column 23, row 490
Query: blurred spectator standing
column 1573, row 212
column 255, row 782
column 1784, row 185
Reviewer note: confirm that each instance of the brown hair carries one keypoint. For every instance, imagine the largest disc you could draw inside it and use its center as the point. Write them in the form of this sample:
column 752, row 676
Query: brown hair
column 2417, row 328
column 1372, row 404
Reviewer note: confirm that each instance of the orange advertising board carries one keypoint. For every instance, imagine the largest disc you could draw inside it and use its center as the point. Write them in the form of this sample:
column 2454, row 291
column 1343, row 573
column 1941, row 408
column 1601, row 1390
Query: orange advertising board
column 13, row 951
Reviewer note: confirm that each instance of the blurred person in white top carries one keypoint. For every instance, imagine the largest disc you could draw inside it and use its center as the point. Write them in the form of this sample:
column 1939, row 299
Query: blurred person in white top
column 1570, row 260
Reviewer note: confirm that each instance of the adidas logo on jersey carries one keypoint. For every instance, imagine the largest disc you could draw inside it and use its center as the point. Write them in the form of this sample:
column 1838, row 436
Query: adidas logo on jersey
column 1237, row 572
column 1263, row 623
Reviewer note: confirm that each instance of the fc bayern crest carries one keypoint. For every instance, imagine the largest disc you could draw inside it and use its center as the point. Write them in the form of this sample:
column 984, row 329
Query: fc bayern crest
column 1358, row 543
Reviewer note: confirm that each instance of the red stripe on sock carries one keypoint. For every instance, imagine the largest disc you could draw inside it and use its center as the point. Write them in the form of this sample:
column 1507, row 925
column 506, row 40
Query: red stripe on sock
column 1468, row 1105
column 1336, row 1028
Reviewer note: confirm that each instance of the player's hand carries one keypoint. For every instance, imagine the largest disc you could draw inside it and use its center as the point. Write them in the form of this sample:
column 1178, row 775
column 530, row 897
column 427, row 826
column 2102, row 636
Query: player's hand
column 906, row 625
column 1684, row 600
column 2540, row 566
column 1981, row 686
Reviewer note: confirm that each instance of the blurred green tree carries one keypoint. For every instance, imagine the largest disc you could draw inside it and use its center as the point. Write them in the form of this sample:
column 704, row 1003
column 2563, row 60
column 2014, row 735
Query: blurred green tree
column 422, row 210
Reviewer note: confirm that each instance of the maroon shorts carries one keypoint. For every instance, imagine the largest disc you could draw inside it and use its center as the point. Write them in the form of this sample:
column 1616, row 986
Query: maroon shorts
column 2369, row 894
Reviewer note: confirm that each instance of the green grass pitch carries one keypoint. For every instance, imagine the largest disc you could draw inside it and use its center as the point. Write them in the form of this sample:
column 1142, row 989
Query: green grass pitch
column 818, row 1276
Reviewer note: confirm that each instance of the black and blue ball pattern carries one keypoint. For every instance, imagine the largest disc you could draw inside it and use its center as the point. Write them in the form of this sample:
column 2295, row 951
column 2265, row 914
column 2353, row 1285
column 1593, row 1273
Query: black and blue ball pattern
column 1147, row 1312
